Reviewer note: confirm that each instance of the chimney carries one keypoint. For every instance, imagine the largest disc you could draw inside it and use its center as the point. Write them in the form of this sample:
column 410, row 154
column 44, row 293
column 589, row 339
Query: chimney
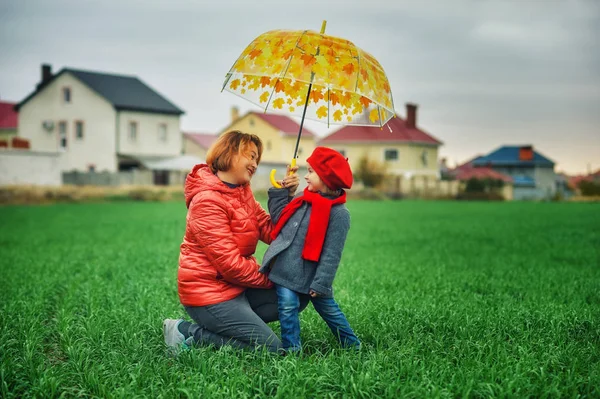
column 46, row 72
column 235, row 114
column 526, row 153
column 411, row 115
column 46, row 75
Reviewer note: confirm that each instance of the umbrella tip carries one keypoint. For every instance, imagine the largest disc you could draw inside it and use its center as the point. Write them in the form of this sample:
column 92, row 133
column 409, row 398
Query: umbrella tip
column 323, row 25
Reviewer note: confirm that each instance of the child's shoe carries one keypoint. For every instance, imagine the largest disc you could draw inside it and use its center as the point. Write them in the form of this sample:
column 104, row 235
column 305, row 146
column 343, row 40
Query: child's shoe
column 174, row 339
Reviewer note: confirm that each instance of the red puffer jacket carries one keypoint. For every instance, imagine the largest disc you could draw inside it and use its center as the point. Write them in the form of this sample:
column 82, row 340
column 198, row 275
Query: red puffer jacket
column 223, row 227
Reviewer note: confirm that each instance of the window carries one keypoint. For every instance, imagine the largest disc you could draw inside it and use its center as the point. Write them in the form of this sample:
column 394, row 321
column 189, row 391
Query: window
column 79, row 130
column 425, row 157
column 162, row 132
column 268, row 145
column 62, row 135
column 251, row 121
column 66, row 94
column 343, row 152
column 390, row 155
column 133, row 127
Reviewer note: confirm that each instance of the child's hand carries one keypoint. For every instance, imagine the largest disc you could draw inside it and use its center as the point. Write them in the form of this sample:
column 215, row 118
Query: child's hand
column 291, row 181
column 313, row 294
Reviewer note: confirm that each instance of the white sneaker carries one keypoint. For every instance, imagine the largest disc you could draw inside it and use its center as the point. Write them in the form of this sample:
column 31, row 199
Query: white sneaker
column 174, row 340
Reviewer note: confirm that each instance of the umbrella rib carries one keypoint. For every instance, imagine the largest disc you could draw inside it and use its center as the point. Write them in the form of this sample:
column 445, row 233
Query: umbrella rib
column 284, row 72
column 230, row 74
column 328, row 106
column 292, row 55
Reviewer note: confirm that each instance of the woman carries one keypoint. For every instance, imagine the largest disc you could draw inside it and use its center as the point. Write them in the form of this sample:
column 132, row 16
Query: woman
column 218, row 281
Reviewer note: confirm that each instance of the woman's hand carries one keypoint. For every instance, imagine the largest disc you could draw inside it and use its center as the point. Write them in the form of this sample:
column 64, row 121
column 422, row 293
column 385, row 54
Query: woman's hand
column 291, row 181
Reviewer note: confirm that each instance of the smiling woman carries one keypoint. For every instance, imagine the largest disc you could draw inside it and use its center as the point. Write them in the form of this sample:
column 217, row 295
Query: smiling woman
column 219, row 284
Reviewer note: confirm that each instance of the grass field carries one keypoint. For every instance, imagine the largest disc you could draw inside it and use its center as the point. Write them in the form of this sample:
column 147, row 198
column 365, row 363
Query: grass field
column 449, row 299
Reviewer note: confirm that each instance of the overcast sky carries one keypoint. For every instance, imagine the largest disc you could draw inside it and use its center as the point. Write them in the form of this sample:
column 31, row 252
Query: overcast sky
column 484, row 73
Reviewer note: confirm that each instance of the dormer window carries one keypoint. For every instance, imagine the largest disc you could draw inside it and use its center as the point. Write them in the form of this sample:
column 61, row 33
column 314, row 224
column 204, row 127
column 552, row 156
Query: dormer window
column 66, row 92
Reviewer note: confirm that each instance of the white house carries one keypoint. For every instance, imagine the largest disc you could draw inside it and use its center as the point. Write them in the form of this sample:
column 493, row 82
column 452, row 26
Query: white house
column 99, row 121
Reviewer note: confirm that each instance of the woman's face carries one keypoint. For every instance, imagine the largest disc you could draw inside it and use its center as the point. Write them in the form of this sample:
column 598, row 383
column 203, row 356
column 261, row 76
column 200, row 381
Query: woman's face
column 314, row 182
column 243, row 165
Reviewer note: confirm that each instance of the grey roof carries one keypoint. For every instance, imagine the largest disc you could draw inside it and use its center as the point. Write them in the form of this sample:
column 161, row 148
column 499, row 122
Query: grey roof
column 126, row 93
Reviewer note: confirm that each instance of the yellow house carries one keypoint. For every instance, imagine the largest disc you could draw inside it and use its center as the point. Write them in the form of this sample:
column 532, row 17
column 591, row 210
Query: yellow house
column 405, row 149
column 278, row 134
column 197, row 144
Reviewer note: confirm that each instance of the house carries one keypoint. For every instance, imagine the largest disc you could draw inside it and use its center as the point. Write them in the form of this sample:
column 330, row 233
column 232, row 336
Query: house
column 532, row 173
column 278, row 134
column 99, row 121
column 197, row 144
column 401, row 145
column 8, row 122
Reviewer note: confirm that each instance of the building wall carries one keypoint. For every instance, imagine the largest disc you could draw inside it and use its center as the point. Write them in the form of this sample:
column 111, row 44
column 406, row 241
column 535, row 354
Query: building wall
column 148, row 140
column 278, row 148
column 190, row 147
column 409, row 161
column 97, row 147
column 544, row 177
column 24, row 167
column 545, row 180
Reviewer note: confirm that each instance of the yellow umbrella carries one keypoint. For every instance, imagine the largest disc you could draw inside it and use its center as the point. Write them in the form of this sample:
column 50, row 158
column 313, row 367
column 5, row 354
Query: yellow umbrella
column 314, row 76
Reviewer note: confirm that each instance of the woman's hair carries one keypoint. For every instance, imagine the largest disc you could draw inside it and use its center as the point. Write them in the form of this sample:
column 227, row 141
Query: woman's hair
column 220, row 154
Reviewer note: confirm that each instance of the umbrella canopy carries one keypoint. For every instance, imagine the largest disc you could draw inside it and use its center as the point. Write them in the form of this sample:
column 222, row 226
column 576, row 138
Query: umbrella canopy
column 327, row 78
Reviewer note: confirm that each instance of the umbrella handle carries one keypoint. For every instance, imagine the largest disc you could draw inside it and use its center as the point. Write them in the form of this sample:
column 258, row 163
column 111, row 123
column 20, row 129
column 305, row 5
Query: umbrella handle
column 273, row 171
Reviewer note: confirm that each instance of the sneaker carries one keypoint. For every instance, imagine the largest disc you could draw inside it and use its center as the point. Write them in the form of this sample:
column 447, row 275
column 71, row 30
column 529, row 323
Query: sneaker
column 174, row 340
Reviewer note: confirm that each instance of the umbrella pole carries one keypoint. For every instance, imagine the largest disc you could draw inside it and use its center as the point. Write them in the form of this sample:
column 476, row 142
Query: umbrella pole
column 302, row 121
column 293, row 163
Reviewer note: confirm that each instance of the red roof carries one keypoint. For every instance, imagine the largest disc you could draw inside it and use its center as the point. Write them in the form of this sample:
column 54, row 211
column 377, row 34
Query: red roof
column 285, row 124
column 8, row 116
column 204, row 140
column 399, row 133
column 467, row 171
column 481, row 173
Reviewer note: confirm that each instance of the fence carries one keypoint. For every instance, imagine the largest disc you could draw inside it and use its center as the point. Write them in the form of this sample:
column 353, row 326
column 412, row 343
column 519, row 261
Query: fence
column 419, row 187
column 134, row 177
column 24, row 167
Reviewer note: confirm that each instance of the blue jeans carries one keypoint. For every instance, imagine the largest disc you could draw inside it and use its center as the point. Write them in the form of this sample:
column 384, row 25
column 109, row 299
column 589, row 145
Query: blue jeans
column 328, row 309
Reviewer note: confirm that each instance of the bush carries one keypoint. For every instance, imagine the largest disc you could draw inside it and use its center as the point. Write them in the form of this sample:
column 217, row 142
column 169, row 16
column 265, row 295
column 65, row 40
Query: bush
column 370, row 173
column 589, row 188
column 475, row 196
column 483, row 185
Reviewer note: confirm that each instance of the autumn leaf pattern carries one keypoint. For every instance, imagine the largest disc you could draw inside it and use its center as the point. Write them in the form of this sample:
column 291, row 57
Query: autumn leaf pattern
column 348, row 85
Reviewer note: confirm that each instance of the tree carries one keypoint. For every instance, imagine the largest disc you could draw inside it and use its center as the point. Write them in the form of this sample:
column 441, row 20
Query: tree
column 371, row 173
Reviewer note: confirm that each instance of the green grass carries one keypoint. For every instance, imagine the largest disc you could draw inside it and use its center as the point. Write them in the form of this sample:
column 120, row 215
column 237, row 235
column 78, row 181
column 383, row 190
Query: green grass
column 450, row 299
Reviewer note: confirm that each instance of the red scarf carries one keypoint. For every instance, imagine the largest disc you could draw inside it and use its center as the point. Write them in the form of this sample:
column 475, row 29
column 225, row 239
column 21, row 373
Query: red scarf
column 317, row 225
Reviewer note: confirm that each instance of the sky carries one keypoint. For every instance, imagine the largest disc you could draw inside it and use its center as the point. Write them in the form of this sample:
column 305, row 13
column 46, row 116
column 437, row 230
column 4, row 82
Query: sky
column 484, row 73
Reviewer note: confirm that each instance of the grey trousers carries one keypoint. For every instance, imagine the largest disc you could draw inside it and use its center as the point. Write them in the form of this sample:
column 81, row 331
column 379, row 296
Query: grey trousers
column 240, row 322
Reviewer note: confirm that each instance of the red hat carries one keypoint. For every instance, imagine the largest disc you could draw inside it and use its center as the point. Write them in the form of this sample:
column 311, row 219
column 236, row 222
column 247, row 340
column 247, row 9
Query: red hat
column 331, row 166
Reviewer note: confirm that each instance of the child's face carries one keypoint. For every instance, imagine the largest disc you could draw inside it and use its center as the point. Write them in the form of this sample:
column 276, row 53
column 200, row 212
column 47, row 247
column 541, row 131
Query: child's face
column 314, row 182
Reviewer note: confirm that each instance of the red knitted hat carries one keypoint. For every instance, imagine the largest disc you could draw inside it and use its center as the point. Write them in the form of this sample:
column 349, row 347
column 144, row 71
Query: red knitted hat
column 331, row 166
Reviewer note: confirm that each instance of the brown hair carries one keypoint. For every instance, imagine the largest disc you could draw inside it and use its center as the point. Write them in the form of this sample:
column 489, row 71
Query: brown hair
column 220, row 154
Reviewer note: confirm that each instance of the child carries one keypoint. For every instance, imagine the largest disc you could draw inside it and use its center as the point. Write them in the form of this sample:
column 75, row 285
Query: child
column 309, row 237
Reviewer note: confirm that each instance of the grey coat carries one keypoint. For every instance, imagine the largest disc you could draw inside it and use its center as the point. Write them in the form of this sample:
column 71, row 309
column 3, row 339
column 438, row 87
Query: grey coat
column 283, row 259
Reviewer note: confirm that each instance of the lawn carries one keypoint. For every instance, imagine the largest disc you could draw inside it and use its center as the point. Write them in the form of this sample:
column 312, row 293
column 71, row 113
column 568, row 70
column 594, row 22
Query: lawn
column 449, row 299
